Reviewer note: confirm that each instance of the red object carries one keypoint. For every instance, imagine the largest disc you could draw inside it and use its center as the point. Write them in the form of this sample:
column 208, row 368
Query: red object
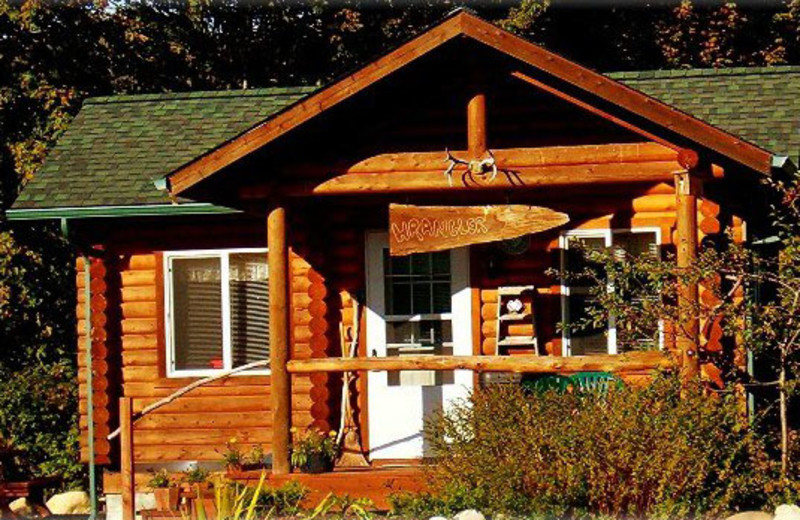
column 215, row 363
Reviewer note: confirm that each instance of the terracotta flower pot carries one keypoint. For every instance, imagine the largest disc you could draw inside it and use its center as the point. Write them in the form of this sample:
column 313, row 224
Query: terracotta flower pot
column 167, row 498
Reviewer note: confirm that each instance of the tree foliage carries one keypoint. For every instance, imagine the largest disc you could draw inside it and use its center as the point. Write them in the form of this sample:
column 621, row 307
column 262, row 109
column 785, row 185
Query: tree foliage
column 751, row 290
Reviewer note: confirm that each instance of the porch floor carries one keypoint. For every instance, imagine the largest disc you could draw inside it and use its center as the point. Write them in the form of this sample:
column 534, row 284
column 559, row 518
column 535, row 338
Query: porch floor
column 375, row 483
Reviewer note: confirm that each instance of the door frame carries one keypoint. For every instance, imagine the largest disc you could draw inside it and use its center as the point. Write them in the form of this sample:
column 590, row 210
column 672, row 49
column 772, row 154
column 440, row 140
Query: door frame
column 461, row 323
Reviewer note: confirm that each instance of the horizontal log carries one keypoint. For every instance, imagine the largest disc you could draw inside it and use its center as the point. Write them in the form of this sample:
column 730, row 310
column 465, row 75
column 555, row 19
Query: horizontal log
column 210, row 405
column 218, row 420
column 506, row 158
column 141, row 358
column 147, row 390
column 140, row 374
column 138, row 278
column 516, row 364
column 177, row 453
column 141, row 262
column 139, row 326
column 144, row 293
column 139, row 342
column 203, row 436
column 139, row 310
column 519, row 178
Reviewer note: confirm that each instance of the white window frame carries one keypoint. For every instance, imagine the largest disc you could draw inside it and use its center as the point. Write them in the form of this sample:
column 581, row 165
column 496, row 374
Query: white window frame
column 227, row 350
column 608, row 235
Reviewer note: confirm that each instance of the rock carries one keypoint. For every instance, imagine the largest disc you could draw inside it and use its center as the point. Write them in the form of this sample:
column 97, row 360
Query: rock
column 437, row 518
column 470, row 514
column 21, row 507
column 69, row 503
column 750, row 515
column 787, row 512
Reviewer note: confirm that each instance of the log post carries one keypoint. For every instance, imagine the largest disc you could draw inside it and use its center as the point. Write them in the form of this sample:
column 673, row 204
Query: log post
column 126, row 459
column 280, row 382
column 687, row 187
column 476, row 125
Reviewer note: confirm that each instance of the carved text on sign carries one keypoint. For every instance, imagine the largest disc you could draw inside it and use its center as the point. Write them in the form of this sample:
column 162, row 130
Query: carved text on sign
column 422, row 228
column 417, row 229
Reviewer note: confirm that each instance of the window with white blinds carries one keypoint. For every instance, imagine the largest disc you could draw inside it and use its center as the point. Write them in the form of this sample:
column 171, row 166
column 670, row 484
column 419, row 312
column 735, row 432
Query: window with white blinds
column 217, row 305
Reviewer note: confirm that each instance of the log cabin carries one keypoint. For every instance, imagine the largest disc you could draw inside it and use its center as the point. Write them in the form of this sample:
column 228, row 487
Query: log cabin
column 389, row 233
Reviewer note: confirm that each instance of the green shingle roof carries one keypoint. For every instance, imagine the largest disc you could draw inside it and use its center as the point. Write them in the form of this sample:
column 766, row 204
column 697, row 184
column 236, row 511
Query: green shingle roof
column 759, row 104
column 117, row 146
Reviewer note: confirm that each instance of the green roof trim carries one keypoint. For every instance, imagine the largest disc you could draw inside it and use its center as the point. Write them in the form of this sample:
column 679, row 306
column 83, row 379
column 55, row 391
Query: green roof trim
column 152, row 210
column 117, row 146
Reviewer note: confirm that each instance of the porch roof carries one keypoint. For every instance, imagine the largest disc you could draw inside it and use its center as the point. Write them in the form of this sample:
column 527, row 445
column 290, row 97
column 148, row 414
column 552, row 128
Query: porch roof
column 117, row 146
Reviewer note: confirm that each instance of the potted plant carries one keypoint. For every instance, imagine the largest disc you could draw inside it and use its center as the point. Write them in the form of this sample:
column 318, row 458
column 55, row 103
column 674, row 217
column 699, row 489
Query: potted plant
column 165, row 491
column 256, row 459
column 196, row 478
column 314, row 452
column 233, row 456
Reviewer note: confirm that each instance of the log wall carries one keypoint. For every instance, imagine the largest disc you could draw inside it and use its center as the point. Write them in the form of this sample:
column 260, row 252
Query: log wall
column 327, row 273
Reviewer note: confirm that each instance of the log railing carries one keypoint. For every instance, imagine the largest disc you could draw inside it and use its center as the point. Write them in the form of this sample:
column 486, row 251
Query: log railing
column 633, row 362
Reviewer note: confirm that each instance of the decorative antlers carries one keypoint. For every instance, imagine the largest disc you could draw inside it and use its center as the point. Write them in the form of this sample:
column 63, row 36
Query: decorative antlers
column 479, row 167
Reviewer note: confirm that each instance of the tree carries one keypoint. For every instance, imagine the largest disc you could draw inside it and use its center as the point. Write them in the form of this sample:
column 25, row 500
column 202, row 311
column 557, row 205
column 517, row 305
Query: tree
column 752, row 291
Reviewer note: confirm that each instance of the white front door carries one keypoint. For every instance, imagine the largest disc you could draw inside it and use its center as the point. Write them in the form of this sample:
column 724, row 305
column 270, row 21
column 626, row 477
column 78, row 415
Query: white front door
column 418, row 304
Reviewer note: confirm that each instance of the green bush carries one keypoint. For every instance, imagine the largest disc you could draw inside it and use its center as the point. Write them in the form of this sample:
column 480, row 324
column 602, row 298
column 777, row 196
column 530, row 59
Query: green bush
column 38, row 411
column 662, row 451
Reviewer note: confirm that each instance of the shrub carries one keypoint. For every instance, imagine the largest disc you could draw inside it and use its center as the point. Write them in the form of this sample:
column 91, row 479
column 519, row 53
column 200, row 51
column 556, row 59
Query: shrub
column 38, row 410
column 659, row 451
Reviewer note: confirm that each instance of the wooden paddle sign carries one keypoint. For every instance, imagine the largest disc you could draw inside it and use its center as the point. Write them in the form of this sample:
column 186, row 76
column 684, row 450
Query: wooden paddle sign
column 420, row 229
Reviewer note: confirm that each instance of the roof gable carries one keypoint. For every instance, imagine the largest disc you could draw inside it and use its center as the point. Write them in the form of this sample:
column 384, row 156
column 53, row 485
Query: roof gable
column 462, row 24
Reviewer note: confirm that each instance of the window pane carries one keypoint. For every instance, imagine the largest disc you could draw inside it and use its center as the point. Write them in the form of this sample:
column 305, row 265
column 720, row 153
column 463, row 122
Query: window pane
column 585, row 341
column 635, row 243
column 398, row 298
column 417, row 284
column 421, row 293
column 197, row 313
column 430, row 337
column 249, row 307
column 442, row 300
column 441, row 263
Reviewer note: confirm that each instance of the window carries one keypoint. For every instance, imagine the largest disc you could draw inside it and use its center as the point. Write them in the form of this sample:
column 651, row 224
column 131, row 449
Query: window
column 576, row 297
column 418, row 312
column 217, row 305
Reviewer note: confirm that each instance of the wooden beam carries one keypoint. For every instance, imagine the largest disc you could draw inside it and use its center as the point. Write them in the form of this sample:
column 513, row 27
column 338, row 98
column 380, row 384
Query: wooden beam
column 508, row 158
column 280, row 382
column 687, row 187
column 634, row 361
column 593, row 109
column 126, row 458
column 517, row 178
column 476, row 126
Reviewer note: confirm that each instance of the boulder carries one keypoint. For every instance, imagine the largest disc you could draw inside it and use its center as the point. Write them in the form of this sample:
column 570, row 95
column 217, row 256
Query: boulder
column 437, row 518
column 750, row 515
column 69, row 503
column 21, row 507
column 787, row 512
column 469, row 514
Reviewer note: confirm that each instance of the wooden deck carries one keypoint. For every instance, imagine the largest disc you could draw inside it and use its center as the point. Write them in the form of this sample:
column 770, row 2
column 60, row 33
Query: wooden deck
column 375, row 483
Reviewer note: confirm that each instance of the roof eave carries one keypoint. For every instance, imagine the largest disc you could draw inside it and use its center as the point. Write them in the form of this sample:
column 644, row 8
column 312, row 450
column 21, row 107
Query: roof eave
column 103, row 212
